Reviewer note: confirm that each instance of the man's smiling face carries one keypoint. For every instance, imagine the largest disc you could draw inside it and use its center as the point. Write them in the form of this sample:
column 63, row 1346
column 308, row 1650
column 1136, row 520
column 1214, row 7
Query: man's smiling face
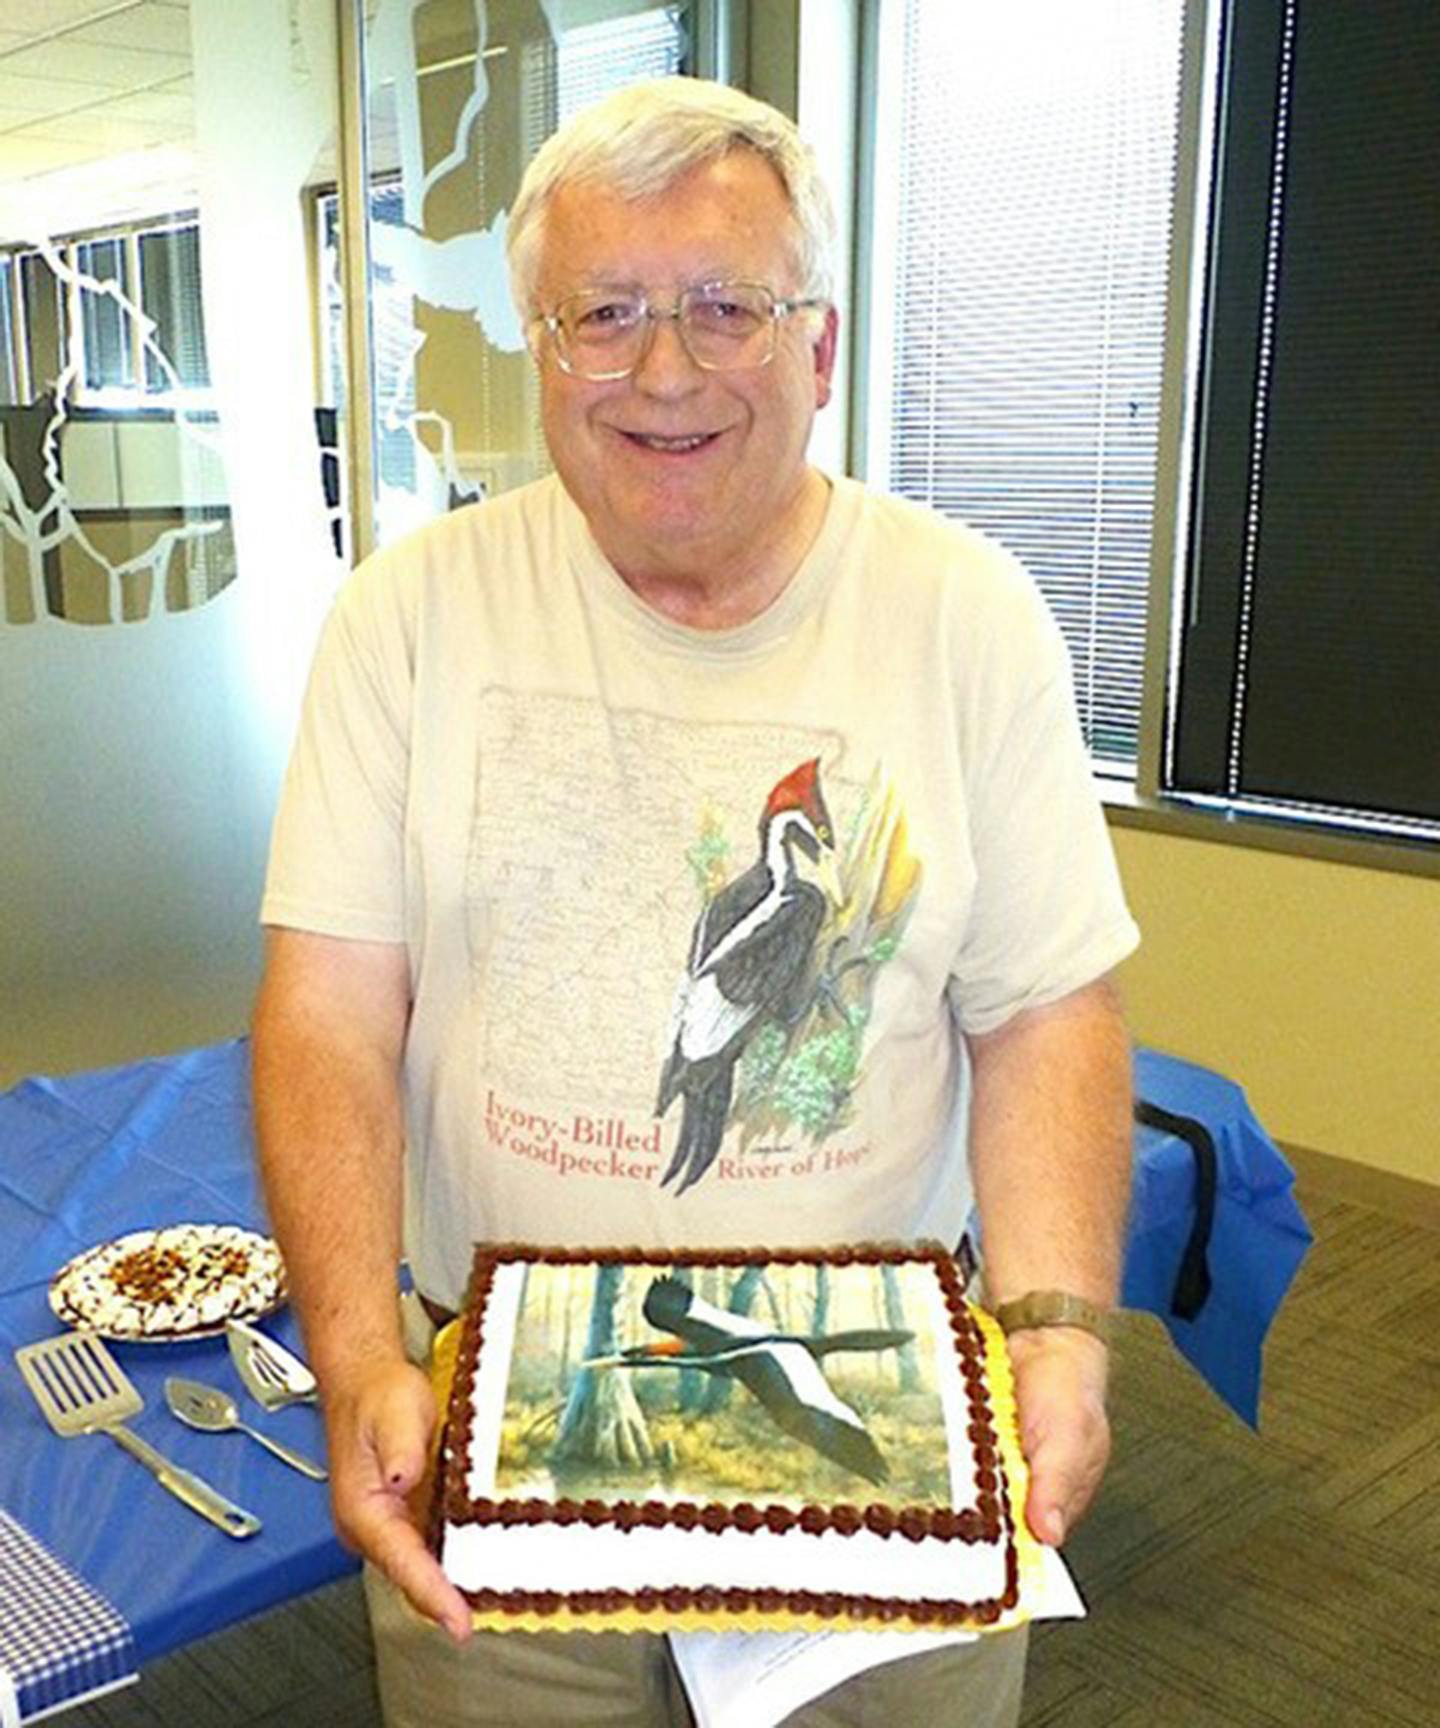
column 684, row 473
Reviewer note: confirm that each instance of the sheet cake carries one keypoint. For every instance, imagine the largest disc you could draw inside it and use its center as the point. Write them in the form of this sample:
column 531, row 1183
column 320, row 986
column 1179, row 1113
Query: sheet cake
column 716, row 1438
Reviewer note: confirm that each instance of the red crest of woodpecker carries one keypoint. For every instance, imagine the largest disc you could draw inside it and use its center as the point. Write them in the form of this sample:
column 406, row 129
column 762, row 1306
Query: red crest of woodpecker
column 800, row 790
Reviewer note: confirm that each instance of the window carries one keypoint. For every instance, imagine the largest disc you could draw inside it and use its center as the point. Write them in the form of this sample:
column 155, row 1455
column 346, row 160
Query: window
column 392, row 323
column 593, row 59
column 1022, row 375
column 108, row 352
column 134, row 324
column 33, row 325
column 1306, row 681
column 1017, row 339
column 11, row 386
column 170, row 294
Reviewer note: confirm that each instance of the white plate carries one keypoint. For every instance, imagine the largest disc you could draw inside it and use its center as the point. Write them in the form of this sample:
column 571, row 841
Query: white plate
column 176, row 1281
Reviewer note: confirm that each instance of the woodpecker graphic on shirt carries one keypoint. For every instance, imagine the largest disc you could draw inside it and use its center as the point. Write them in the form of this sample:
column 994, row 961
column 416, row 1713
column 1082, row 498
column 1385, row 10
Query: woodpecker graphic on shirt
column 780, row 973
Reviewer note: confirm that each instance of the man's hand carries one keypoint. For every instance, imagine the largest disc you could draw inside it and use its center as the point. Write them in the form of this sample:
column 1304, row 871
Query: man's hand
column 1060, row 1376
column 379, row 1433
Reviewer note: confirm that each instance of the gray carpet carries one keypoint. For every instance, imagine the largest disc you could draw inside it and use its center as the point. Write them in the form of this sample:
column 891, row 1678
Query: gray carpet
column 1234, row 1580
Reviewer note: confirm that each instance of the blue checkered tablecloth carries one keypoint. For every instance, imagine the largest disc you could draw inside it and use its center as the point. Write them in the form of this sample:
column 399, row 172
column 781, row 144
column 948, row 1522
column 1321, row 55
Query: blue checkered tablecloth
column 60, row 1641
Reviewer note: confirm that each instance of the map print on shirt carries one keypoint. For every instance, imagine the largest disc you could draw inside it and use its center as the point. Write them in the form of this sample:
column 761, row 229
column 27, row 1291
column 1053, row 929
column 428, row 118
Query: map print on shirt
column 777, row 992
column 598, row 836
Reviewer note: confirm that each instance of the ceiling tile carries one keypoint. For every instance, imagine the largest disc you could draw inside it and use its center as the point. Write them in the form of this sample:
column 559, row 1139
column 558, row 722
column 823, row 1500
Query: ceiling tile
column 149, row 26
column 175, row 106
column 106, row 133
column 41, row 95
column 22, row 156
column 71, row 58
column 37, row 17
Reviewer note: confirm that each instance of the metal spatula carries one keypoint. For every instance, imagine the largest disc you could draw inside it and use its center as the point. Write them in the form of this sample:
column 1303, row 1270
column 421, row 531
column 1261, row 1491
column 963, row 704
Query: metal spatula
column 273, row 1375
column 81, row 1389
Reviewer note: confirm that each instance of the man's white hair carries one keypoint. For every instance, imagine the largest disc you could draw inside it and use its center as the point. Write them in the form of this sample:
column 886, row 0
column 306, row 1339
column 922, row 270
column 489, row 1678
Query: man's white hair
column 642, row 138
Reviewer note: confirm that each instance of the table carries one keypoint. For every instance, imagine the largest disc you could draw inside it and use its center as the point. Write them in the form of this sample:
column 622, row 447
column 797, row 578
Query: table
column 83, row 1159
column 90, row 1156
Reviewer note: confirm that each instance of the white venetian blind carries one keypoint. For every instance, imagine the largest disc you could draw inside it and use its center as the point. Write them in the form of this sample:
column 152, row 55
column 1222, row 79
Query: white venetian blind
column 1033, row 146
column 594, row 59
column 171, row 295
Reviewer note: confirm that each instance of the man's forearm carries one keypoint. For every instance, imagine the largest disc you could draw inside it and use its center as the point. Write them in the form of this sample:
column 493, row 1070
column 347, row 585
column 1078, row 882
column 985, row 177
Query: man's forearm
column 329, row 1032
column 329, row 1125
column 1050, row 1143
column 1050, row 1150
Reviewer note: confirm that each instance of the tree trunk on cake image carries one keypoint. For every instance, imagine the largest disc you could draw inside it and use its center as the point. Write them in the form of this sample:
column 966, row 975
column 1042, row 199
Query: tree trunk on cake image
column 895, row 1319
column 603, row 1427
column 820, row 1312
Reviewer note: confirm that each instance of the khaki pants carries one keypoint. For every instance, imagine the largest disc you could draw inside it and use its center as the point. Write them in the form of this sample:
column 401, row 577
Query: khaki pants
column 628, row 1680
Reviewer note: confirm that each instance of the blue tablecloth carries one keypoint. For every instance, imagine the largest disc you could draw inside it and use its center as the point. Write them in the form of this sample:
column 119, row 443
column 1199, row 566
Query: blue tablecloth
column 83, row 1159
column 1257, row 1239
column 94, row 1155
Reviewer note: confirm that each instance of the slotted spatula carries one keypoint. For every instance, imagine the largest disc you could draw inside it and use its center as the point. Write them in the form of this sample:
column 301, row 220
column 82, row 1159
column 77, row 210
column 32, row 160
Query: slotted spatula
column 81, row 1389
column 273, row 1375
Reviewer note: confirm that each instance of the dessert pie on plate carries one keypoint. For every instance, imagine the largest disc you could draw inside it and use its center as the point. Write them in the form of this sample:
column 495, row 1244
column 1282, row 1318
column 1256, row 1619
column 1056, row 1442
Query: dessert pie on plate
column 176, row 1281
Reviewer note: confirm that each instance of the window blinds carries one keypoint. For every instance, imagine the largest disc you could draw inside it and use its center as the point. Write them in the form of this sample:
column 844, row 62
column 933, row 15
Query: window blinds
column 1035, row 152
column 108, row 355
column 594, row 59
column 170, row 294
column 1309, row 672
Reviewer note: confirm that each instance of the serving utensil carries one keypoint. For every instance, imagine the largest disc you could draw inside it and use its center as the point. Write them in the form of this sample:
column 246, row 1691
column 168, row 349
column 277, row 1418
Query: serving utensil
column 214, row 1412
column 81, row 1389
column 273, row 1375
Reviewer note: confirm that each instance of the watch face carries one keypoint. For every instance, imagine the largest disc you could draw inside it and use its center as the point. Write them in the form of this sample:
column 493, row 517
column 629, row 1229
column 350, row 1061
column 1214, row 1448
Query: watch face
column 178, row 1281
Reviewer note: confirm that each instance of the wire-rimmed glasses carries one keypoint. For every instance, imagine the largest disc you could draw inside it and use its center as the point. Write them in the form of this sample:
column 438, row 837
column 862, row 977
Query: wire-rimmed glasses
column 604, row 333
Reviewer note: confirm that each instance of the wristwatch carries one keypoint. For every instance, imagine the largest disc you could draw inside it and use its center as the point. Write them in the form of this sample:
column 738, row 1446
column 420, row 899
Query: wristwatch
column 1039, row 1308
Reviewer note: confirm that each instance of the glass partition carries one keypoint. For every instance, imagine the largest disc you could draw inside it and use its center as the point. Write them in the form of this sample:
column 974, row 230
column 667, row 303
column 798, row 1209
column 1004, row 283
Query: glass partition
column 461, row 94
column 165, row 547
column 173, row 342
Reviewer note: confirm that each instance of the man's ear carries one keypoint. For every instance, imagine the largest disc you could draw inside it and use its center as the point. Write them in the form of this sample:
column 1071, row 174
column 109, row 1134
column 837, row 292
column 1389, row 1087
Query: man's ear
column 826, row 345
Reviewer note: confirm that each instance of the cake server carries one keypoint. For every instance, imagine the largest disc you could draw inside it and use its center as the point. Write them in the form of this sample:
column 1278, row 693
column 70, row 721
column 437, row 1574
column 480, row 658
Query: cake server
column 213, row 1412
column 273, row 1375
column 81, row 1389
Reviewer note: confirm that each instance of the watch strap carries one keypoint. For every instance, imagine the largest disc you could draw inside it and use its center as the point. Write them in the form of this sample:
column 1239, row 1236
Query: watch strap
column 1040, row 1308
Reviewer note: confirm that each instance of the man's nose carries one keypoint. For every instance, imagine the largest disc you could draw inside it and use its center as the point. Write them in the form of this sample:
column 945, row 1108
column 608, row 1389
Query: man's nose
column 666, row 366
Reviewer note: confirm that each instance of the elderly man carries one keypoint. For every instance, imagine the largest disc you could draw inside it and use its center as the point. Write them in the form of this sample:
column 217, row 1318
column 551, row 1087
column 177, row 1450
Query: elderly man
column 518, row 843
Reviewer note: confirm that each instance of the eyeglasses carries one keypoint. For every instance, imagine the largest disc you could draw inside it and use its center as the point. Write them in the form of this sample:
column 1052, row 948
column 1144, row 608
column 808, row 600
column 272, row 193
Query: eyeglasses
column 725, row 326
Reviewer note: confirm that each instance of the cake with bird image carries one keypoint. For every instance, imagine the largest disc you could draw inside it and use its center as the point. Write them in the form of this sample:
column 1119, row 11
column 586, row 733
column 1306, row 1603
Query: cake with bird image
column 713, row 1438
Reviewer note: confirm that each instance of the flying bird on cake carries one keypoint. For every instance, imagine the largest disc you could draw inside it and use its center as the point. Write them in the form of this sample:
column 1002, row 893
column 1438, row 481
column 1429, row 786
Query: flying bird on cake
column 750, row 960
column 781, row 1369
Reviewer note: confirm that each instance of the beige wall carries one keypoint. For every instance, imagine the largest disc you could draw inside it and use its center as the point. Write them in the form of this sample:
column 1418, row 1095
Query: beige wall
column 1315, row 985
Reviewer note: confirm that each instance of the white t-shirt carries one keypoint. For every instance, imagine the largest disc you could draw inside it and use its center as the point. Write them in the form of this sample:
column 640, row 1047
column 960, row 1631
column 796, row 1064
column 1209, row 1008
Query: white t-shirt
column 510, row 764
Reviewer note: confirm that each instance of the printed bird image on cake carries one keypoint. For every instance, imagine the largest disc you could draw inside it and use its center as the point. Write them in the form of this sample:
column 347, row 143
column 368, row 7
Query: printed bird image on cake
column 752, row 961
column 783, row 1370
